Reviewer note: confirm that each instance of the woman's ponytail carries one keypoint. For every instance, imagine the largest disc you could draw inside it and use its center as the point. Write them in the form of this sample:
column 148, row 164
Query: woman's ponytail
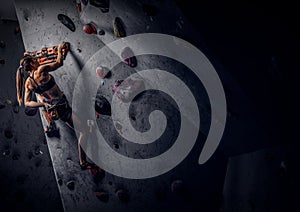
column 20, row 85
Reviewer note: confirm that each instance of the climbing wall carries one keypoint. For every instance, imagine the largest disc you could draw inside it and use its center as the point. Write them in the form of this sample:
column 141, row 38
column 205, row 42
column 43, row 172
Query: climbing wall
column 200, row 187
column 26, row 171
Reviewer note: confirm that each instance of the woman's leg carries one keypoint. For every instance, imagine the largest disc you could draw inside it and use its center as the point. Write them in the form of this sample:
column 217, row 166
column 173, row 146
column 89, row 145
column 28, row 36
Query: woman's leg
column 51, row 129
column 81, row 153
column 46, row 117
column 83, row 135
column 41, row 99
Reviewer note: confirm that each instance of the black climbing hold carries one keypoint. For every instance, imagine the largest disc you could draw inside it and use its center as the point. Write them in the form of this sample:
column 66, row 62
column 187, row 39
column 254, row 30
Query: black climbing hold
column 116, row 146
column 65, row 20
column 30, row 111
column 2, row 44
column 177, row 187
column 102, row 105
column 101, row 32
column 60, row 181
column 71, row 185
column 102, row 4
column 8, row 134
column 2, row 105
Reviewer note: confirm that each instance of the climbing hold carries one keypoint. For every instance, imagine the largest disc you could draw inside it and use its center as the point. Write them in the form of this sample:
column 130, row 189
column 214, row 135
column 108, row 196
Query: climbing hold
column 118, row 126
column 30, row 111
column 102, row 4
column 2, row 44
column 101, row 32
column 122, row 195
column 128, row 89
column 102, row 72
column 6, row 152
column 2, row 105
column 119, row 29
column 84, row 2
column 71, row 185
column 60, row 181
column 177, row 187
column 102, row 105
column 8, row 134
column 65, row 20
column 116, row 146
column 79, row 8
column 90, row 28
column 17, row 30
column 116, row 85
column 127, row 56
column 9, row 102
column 102, row 196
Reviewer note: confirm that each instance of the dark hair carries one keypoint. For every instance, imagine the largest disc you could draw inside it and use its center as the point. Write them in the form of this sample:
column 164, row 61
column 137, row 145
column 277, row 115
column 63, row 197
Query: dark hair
column 25, row 63
column 25, row 66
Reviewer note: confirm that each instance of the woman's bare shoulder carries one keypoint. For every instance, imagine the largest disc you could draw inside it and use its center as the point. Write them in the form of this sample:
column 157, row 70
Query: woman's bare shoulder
column 43, row 69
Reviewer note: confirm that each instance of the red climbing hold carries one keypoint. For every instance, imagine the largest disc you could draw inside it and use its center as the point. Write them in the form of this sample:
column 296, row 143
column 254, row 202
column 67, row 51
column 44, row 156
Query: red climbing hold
column 90, row 29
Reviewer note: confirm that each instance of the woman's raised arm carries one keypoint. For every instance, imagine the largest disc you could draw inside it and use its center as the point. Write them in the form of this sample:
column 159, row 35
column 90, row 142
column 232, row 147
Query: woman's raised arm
column 59, row 61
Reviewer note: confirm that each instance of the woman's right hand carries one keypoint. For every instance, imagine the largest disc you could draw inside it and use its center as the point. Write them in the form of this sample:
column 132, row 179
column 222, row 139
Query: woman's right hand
column 61, row 45
column 63, row 49
column 46, row 105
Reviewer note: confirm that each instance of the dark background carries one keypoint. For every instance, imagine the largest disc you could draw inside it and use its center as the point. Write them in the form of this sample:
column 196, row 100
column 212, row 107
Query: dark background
column 257, row 42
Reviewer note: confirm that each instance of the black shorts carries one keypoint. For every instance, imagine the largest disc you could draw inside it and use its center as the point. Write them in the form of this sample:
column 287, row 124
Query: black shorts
column 63, row 108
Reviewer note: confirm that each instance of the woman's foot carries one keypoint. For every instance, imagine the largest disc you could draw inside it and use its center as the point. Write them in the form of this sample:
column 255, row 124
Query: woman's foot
column 52, row 130
column 86, row 165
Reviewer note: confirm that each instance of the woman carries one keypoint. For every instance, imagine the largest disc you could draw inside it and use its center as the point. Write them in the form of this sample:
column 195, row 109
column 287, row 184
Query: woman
column 49, row 95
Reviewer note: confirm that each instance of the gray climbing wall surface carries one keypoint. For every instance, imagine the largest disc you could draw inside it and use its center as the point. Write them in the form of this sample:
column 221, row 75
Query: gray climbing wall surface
column 40, row 27
column 26, row 172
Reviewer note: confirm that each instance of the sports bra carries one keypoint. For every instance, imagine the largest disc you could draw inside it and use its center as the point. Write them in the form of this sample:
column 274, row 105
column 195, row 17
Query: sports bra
column 40, row 89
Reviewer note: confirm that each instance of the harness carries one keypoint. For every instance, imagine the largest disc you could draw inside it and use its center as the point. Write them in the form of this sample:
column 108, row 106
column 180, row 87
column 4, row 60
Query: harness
column 52, row 111
column 55, row 103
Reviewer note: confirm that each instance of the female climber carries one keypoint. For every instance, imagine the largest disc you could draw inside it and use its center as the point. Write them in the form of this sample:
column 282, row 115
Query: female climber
column 34, row 78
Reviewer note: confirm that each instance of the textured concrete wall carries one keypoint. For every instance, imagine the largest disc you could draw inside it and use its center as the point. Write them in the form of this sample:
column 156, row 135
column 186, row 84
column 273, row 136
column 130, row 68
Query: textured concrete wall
column 27, row 181
column 43, row 29
column 246, row 44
